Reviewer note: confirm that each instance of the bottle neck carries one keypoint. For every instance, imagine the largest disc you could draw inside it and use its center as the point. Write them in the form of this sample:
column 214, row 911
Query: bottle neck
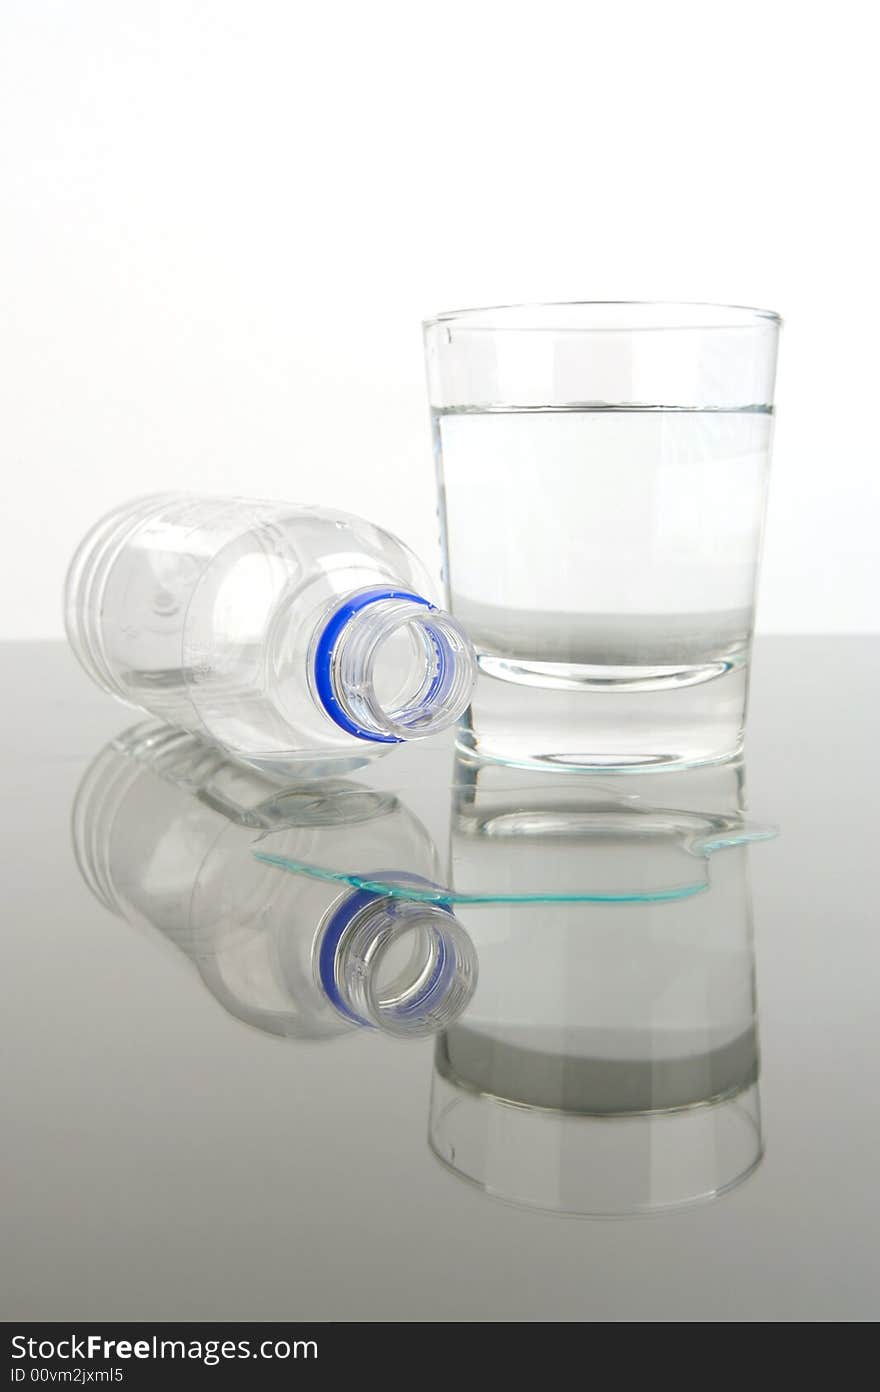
column 387, row 666
column 403, row 966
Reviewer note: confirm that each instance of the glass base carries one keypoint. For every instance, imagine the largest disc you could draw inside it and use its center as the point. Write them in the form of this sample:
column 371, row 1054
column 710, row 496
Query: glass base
column 626, row 726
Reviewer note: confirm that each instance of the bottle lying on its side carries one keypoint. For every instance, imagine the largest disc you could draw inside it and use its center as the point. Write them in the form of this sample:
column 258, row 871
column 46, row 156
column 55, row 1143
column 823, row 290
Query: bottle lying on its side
column 169, row 833
column 282, row 633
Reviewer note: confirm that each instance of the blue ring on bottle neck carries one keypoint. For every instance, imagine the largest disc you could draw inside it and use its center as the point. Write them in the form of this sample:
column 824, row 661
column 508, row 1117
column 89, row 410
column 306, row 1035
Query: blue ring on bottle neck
column 323, row 661
column 341, row 920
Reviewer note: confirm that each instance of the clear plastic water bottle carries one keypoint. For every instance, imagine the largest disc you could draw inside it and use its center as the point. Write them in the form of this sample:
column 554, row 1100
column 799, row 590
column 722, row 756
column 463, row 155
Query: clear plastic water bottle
column 279, row 632
column 165, row 829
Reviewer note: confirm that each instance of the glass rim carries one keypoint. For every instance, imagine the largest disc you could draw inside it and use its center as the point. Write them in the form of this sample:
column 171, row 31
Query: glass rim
column 621, row 316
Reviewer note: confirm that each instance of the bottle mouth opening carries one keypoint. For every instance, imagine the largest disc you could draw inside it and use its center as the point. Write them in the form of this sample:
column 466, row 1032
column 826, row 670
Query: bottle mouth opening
column 411, row 969
column 404, row 967
column 390, row 667
column 420, row 702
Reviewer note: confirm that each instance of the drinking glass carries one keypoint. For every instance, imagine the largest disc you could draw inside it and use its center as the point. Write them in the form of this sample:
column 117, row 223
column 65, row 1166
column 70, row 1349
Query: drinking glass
column 602, row 473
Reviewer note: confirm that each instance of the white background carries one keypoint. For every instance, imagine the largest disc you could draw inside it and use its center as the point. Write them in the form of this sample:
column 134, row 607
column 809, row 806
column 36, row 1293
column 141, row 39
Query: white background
column 221, row 223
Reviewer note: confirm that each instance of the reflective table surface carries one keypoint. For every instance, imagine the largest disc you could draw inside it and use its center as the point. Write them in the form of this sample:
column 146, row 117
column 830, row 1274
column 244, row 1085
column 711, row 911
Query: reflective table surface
column 434, row 1041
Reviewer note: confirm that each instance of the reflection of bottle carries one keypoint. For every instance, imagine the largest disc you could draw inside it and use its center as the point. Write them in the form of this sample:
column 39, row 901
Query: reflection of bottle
column 283, row 633
column 609, row 1060
column 165, row 830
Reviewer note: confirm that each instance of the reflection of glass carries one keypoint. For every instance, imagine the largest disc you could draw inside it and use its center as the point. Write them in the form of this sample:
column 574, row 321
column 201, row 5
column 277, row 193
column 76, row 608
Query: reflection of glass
column 525, row 837
column 534, row 835
column 165, row 829
column 608, row 1063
